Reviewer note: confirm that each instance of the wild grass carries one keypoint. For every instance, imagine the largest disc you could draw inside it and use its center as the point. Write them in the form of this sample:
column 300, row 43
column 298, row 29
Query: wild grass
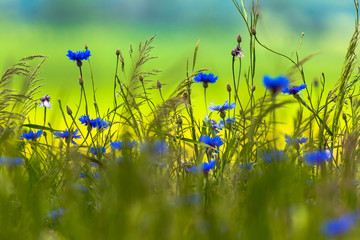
column 168, row 178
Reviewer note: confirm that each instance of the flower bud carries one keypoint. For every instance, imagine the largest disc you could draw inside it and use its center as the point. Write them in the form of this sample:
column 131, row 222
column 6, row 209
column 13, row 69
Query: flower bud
column 228, row 87
column 44, row 133
column 222, row 114
column 179, row 120
column 117, row 52
column 141, row 78
column 253, row 31
column 86, row 46
column 158, row 84
column 253, row 88
column 238, row 39
column 205, row 84
column 68, row 110
column 185, row 97
column 81, row 81
column 78, row 63
column 344, row 116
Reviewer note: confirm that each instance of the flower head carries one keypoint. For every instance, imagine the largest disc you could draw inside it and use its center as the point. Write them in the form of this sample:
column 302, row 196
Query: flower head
column 317, row 157
column 247, row 166
column 227, row 121
column 45, row 102
column 85, row 120
column 237, row 52
column 79, row 55
column 11, row 162
column 294, row 141
column 205, row 78
column 340, row 226
column 222, row 108
column 96, row 151
column 56, row 214
column 275, row 84
column 32, row 135
column 213, row 142
column 273, row 155
column 67, row 135
column 98, row 122
column 205, row 167
column 293, row 90
column 117, row 145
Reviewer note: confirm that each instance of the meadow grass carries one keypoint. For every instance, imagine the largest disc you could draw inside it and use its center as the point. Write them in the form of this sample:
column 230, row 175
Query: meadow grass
column 147, row 167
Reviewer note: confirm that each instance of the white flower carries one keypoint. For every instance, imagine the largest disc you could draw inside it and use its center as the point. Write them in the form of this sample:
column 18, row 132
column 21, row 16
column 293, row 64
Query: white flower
column 45, row 102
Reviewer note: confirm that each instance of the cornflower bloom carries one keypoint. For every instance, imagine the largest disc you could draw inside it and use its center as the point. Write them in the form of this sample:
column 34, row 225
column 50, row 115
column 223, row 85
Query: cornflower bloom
column 11, row 162
column 205, row 167
column 213, row 142
column 32, row 135
column 117, row 145
column 340, row 226
column 237, row 52
column 205, row 78
column 293, row 90
column 97, row 150
column 45, row 102
column 79, row 56
column 317, row 157
column 273, row 155
column 222, row 108
column 68, row 136
column 275, row 84
column 227, row 121
column 294, row 141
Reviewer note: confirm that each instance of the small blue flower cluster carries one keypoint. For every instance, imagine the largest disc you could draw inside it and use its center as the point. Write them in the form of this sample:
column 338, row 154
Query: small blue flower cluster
column 96, row 151
column 293, row 141
column 98, row 122
column 205, row 167
column 212, row 142
column 222, row 108
column 274, row 155
column 32, row 135
column 317, row 157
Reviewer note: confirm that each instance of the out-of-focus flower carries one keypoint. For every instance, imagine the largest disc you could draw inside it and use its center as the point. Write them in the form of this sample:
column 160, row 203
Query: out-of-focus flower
column 10, row 162
column 68, row 135
column 237, row 52
column 84, row 175
column 85, row 120
column 56, row 214
column 273, row 155
column 294, row 141
column 227, row 121
column 247, row 166
column 45, row 102
column 97, row 150
column 317, row 157
column 117, row 145
column 275, row 84
column 340, row 226
column 205, row 167
column 222, row 108
column 293, row 90
column 213, row 142
column 98, row 122
column 32, row 135
column 79, row 55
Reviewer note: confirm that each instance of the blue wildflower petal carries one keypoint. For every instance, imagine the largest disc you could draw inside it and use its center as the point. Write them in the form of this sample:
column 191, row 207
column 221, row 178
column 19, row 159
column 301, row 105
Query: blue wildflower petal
column 213, row 142
column 294, row 90
column 317, row 157
column 97, row 150
column 11, row 162
column 221, row 108
column 275, row 84
column 203, row 77
column 32, row 135
column 79, row 55
column 340, row 226
column 273, row 155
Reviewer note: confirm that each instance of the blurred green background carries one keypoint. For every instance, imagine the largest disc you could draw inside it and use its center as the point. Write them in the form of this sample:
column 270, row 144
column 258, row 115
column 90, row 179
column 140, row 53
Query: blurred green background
column 53, row 27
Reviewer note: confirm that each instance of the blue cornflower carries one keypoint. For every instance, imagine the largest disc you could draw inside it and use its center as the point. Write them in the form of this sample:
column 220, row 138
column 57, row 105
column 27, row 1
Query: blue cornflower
column 117, row 145
column 66, row 134
column 317, row 157
column 205, row 78
column 216, row 126
column 32, row 135
column 227, row 121
column 222, row 108
column 213, row 142
column 293, row 90
column 56, row 214
column 205, row 167
column 95, row 151
column 273, row 155
column 160, row 147
column 275, row 84
column 294, row 141
column 79, row 55
column 99, row 123
column 85, row 120
column 84, row 175
column 247, row 166
column 10, row 162
column 340, row 226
